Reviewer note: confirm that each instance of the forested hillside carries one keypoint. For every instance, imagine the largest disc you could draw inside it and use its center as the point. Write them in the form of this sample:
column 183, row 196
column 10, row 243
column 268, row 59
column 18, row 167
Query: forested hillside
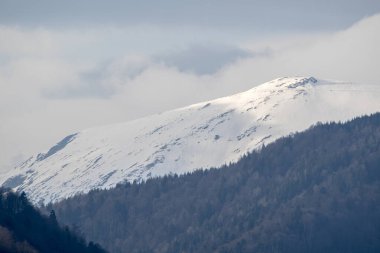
column 316, row 191
column 24, row 230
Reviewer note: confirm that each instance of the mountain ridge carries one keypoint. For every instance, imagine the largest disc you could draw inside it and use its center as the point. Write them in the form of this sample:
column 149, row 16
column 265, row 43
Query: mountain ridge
column 202, row 135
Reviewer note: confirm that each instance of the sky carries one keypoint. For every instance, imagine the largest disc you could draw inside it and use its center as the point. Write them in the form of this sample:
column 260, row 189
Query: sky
column 70, row 65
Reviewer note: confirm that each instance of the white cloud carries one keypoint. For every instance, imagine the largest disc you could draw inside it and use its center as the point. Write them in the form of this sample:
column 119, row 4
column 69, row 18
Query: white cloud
column 204, row 59
column 54, row 83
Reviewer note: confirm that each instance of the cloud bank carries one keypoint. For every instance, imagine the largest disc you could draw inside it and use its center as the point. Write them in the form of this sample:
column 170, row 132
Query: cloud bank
column 56, row 82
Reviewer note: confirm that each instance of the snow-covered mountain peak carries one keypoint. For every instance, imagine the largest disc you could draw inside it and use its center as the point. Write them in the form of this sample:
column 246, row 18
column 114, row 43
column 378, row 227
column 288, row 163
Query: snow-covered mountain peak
column 289, row 82
column 203, row 135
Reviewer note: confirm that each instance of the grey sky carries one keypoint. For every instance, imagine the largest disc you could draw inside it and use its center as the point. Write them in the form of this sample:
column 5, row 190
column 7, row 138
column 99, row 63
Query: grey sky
column 263, row 15
column 70, row 65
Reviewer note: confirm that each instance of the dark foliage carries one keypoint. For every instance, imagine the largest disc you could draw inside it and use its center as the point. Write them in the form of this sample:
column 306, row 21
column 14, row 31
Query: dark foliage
column 316, row 191
column 24, row 230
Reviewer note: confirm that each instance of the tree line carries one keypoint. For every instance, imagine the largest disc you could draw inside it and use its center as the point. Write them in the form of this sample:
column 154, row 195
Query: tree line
column 23, row 229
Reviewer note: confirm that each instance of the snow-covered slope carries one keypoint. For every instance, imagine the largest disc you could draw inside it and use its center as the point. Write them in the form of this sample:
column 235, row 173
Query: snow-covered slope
column 203, row 135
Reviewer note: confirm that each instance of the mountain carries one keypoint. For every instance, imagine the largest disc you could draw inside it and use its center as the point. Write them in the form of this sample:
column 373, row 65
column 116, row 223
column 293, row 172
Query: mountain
column 24, row 230
column 202, row 135
column 315, row 191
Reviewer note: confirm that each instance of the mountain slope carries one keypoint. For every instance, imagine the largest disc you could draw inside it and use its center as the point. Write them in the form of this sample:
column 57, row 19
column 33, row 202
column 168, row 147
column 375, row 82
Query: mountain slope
column 203, row 135
column 316, row 191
